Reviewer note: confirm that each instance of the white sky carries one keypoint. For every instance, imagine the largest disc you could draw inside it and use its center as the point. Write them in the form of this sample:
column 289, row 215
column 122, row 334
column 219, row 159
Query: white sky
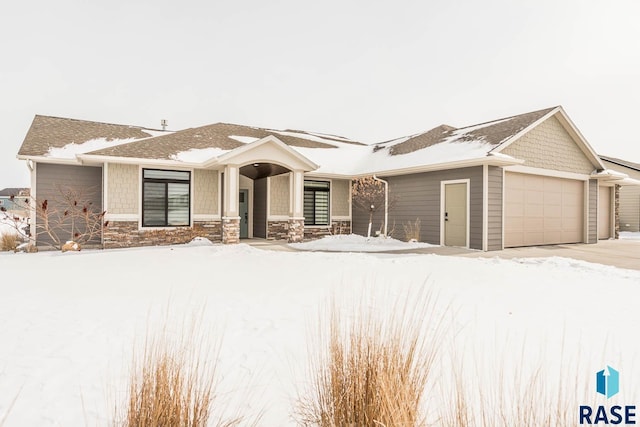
column 370, row 70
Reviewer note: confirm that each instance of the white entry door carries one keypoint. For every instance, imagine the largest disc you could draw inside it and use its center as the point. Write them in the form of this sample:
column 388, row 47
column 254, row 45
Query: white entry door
column 455, row 214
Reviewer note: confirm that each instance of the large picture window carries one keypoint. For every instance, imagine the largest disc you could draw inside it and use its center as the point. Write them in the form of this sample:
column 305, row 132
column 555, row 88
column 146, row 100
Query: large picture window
column 316, row 203
column 165, row 198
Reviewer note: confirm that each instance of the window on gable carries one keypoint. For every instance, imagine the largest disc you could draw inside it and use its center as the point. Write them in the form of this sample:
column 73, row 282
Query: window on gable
column 165, row 198
column 316, row 202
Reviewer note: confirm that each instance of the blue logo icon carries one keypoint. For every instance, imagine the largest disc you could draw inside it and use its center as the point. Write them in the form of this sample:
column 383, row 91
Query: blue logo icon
column 608, row 382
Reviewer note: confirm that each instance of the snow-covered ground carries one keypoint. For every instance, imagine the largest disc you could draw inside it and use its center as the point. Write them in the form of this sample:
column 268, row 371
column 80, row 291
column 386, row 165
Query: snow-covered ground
column 70, row 321
column 631, row 235
column 356, row 243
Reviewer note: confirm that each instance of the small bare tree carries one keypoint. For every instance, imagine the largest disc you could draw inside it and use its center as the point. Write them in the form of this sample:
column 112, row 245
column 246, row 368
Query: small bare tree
column 69, row 216
column 368, row 195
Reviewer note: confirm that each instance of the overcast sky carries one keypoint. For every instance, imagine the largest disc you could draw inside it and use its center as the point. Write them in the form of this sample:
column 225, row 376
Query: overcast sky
column 368, row 70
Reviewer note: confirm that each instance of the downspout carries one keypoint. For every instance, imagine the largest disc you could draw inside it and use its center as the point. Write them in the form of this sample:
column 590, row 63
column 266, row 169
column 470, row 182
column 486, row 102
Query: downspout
column 386, row 202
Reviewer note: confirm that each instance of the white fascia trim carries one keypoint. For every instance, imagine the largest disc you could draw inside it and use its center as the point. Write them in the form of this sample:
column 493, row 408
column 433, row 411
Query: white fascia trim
column 466, row 181
column 478, row 161
column 206, row 217
column 137, row 161
column 228, row 157
column 571, row 129
column 548, row 172
column 590, row 152
column 341, row 218
column 53, row 160
column 278, row 218
column 121, row 217
column 517, row 136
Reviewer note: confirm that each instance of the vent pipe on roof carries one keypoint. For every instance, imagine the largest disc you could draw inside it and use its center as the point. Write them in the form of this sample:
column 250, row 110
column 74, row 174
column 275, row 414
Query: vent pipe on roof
column 163, row 123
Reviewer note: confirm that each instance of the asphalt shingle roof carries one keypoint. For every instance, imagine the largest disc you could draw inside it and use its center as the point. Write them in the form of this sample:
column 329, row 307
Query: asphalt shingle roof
column 621, row 162
column 55, row 132
column 494, row 132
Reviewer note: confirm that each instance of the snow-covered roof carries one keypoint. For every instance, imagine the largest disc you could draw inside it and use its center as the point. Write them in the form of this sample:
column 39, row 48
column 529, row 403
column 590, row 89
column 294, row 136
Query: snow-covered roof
column 335, row 155
column 73, row 136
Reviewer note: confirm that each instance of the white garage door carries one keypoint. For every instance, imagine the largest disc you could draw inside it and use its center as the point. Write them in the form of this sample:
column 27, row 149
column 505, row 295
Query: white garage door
column 542, row 210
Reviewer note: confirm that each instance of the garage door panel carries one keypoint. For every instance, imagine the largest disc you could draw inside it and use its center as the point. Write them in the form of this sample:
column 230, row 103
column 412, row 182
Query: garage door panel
column 548, row 210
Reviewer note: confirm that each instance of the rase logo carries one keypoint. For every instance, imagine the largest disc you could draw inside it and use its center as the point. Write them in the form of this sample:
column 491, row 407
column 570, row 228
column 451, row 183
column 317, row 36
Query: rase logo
column 607, row 384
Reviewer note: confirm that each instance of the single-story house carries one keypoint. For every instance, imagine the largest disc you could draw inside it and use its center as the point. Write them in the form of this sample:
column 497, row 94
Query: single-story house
column 13, row 200
column 530, row 179
column 629, row 198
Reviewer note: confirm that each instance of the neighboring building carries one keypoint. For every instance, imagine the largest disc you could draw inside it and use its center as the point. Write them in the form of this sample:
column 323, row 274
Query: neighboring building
column 530, row 179
column 629, row 195
column 14, row 200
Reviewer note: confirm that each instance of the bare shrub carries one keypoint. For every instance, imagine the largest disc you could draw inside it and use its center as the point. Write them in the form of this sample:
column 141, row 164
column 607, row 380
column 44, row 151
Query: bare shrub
column 412, row 230
column 372, row 370
column 9, row 241
column 70, row 215
column 369, row 195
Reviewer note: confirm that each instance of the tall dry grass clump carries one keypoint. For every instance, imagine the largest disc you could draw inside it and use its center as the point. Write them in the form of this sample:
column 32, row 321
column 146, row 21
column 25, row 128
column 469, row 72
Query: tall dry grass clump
column 412, row 230
column 9, row 241
column 173, row 383
column 372, row 368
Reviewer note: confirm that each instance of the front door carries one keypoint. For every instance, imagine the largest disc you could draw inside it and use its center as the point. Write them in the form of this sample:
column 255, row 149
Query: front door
column 243, row 201
column 455, row 214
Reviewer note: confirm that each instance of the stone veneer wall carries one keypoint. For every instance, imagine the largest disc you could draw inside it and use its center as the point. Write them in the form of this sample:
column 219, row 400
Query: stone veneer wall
column 124, row 234
column 230, row 230
column 278, row 230
column 291, row 230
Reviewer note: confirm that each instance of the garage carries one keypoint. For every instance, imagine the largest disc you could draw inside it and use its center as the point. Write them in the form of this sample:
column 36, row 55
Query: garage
column 542, row 210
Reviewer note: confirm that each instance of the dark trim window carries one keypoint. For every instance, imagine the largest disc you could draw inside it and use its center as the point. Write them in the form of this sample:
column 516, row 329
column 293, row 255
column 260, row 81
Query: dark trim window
column 316, row 202
column 166, row 198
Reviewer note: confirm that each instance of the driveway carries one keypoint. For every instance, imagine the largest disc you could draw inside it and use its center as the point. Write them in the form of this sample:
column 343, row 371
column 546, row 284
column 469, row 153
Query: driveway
column 618, row 253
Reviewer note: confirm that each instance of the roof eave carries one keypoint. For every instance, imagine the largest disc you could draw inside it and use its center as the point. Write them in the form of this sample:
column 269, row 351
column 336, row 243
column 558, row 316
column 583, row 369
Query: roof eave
column 92, row 158
column 476, row 161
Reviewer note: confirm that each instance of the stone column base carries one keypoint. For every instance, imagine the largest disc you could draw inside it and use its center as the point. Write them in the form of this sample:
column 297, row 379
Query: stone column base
column 296, row 230
column 231, row 230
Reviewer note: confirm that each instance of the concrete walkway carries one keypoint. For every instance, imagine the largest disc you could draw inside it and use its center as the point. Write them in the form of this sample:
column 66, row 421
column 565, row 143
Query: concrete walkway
column 617, row 253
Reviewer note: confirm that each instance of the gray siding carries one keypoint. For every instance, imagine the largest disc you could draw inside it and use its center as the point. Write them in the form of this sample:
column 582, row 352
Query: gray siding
column 53, row 181
column 260, row 208
column 418, row 196
column 494, row 209
column 592, row 212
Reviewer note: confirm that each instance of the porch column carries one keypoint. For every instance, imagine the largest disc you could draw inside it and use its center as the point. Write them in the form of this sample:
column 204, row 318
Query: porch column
column 296, row 214
column 230, row 214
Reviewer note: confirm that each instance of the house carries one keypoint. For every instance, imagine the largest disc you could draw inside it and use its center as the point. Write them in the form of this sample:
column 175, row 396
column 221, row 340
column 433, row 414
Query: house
column 13, row 200
column 629, row 198
column 529, row 179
